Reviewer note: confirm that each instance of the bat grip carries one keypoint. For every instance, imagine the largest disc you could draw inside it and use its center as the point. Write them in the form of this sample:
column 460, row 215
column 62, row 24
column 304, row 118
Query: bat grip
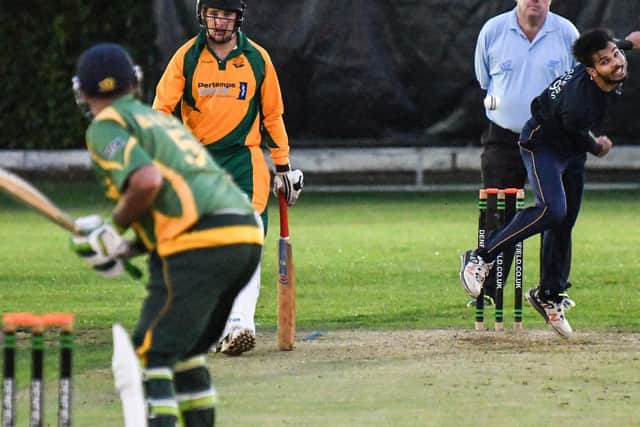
column 284, row 216
column 133, row 271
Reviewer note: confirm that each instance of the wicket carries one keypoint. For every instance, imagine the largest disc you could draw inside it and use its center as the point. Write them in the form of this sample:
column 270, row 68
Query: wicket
column 37, row 325
column 496, row 207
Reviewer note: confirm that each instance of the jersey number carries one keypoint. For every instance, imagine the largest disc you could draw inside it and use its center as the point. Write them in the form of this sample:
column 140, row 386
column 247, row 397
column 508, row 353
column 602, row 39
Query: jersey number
column 194, row 153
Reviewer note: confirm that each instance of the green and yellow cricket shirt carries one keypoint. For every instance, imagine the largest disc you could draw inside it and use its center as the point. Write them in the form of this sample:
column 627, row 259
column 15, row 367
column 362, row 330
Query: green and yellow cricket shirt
column 128, row 135
column 227, row 104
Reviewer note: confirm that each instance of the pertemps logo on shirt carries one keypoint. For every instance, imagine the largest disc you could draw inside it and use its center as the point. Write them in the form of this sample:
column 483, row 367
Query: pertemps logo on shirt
column 223, row 89
column 216, row 88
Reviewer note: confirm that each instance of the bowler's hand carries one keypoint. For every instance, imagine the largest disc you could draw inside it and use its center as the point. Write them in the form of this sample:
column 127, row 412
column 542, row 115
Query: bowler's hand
column 605, row 145
column 634, row 37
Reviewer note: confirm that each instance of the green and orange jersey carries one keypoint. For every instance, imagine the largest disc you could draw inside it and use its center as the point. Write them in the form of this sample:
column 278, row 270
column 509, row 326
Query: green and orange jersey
column 235, row 101
column 128, row 135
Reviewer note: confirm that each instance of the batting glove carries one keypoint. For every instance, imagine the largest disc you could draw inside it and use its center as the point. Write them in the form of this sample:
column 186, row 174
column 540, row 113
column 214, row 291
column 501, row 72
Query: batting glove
column 100, row 245
column 290, row 183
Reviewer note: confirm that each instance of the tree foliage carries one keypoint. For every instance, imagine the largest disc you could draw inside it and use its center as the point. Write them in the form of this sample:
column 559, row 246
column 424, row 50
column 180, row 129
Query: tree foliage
column 41, row 45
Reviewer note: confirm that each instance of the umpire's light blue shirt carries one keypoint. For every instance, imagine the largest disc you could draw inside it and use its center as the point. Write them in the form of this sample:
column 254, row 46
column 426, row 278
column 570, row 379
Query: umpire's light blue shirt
column 516, row 70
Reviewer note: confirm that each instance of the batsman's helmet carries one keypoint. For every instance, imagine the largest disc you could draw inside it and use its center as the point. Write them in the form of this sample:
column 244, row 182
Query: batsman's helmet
column 106, row 70
column 235, row 5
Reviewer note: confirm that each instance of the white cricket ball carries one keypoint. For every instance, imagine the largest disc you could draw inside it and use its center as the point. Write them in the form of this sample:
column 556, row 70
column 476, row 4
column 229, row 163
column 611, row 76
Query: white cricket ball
column 491, row 102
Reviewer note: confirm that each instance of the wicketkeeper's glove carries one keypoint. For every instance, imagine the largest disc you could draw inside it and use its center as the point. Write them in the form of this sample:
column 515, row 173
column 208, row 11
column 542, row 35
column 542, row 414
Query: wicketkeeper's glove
column 288, row 182
column 102, row 247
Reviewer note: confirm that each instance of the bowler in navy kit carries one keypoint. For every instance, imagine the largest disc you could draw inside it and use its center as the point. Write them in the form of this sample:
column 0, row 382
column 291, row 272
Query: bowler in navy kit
column 565, row 120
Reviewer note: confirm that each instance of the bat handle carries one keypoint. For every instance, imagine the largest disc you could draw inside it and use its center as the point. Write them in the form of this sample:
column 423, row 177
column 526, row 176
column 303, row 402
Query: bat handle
column 133, row 271
column 284, row 216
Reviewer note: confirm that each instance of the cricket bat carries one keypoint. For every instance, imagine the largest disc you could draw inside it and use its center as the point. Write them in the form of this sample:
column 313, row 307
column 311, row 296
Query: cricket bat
column 23, row 191
column 286, row 284
column 29, row 195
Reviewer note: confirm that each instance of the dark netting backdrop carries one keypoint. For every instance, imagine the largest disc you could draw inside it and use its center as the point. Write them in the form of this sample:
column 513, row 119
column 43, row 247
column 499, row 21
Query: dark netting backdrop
column 353, row 72
column 395, row 72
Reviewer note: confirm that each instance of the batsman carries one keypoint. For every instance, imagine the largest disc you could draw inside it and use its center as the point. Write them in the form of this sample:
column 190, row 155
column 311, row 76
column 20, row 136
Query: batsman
column 203, row 236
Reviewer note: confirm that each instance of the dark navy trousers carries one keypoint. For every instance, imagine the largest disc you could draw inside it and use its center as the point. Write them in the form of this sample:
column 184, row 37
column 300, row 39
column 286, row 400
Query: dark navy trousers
column 557, row 180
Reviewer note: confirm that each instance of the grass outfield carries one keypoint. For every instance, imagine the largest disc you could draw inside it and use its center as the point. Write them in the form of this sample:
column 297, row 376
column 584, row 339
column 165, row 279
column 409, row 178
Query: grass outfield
column 374, row 263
